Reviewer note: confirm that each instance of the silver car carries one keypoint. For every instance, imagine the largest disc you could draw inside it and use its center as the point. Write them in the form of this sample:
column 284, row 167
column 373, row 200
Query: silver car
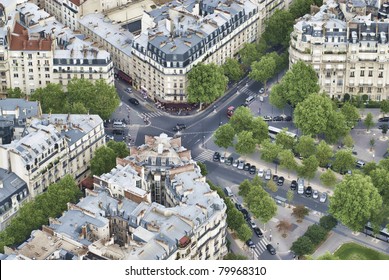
column 260, row 172
column 323, row 197
column 268, row 174
column 235, row 163
column 315, row 194
column 241, row 164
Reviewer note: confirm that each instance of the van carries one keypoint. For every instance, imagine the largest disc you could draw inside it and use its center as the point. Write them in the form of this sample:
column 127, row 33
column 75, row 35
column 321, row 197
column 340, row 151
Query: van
column 359, row 163
column 268, row 174
column 249, row 100
column 118, row 124
column 300, row 186
column 228, row 191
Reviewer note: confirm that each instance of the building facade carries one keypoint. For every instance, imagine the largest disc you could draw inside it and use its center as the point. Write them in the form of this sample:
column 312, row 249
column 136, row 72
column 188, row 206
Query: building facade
column 347, row 48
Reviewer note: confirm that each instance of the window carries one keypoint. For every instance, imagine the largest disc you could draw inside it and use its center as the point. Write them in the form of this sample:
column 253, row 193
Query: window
column 29, row 56
column 16, row 75
column 370, row 73
column 47, row 75
column 379, row 90
column 351, row 89
column 380, row 74
column 352, row 75
column 30, row 63
column 362, row 73
column 360, row 89
column 369, row 90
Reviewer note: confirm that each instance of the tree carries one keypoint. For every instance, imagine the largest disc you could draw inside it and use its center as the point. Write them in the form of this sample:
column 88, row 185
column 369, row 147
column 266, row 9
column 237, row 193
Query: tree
column 232, row 256
column 260, row 130
column 348, row 141
column 305, row 146
column 355, row 201
column 244, row 188
column 284, row 226
column 368, row 122
column 309, row 167
column 384, row 129
column 380, row 180
column 299, row 212
column 235, row 218
column 263, row 70
column 203, row 168
column 271, row 185
column 344, row 161
column 269, row 150
column 206, row 83
column 277, row 98
column 244, row 232
column 120, row 148
column 278, row 29
column 246, row 143
column 284, row 140
column 224, row 136
column 302, row 246
column 328, row 222
column 15, row 93
column 51, row 99
column 336, row 127
column 290, row 195
column 384, row 106
column 323, row 153
column 249, row 53
column 287, row 160
column 300, row 82
column 372, row 143
column 232, row 70
column 77, row 108
column 261, row 204
column 242, row 119
column 105, row 99
column 312, row 114
column 350, row 113
column 103, row 160
column 328, row 178
column 369, row 167
column 300, row 7
column 316, row 234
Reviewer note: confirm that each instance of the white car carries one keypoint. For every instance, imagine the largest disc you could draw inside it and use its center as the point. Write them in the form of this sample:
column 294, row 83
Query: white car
column 222, row 159
column 260, row 172
column 323, row 197
column 235, row 163
column 267, row 118
column 262, row 90
column 241, row 164
column 129, row 90
column 315, row 194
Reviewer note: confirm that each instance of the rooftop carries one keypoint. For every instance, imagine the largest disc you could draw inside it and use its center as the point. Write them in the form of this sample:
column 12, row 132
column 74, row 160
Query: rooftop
column 10, row 185
column 18, row 108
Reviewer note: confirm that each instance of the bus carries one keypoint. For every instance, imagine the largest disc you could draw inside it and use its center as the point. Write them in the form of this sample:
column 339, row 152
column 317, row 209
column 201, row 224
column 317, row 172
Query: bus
column 230, row 111
column 273, row 131
column 382, row 235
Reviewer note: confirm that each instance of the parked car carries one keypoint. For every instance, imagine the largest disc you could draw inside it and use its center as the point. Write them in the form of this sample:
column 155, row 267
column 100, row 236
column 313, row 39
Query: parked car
column 250, row 243
column 267, row 118
column 260, row 172
column 179, row 127
column 308, row 191
column 253, row 169
column 271, row 249
column 288, row 118
column 258, row 232
column 133, row 101
column 300, row 186
column 246, row 214
column 278, row 118
column 235, row 163
column 247, row 166
column 381, row 126
column 128, row 90
column 222, row 159
column 293, row 185
column 241, row 164
column 280, row 181
column 268, row 174
column 229, row 160
column 261, row 90
column 238, row 206
column 216, row 156
column 383, row 119
column 275, row 178
column 323, row 197
column 359, row 163
column 315, row 194
column 252, row 224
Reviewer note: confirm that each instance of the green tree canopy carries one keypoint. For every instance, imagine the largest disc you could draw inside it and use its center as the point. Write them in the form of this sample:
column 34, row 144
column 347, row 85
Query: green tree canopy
column 52, row 99
column 203, row 168
column 302, row 246
column 323, row 153
column 348, row 141
column 232, row 256
column 368, row 122
column 261, row 204
column 308, row 168
column 104, row 159
column 284, row 140
column 246, row 143
column 344, row 161
column 120, row 148
column 260, row 130
column 287, row 160
column 278, row 28
column 328, row 178
column 298, row 8
column 206, row 83
column 242, row 119
column 380, row 180
column 355, row 201
column 336, row 127
column 15, row 93
column 224, row 136
column 328, row 222
column 244, row 188
column 269, row 150
column 105, row 99
column 316, row 234
column 277, row 98
column 305, row 146
column 350, row 113
column 263, row 69
column 249, row 53
column 232, row 70
column 384, row 106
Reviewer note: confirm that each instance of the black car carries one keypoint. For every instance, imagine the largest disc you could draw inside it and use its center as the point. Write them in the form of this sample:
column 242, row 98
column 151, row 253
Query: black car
column 278, row 118
column 381, row 126
column 258, row 232
column 229, row 160
column 293, row 185
column 280, row 181
column 246, row 214
column 133, row 101
column 253, row 169
column 238, row 206
column 271, row 249
column 308, row 191
column 216, row 156
column 179, row 127
column 288, row 119
column 250, row 243
column 384, row 119
column 275, row 178
column 247, row 166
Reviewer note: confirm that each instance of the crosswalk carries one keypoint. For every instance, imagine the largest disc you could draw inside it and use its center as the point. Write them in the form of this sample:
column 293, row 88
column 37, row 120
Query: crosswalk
column 205, row 156
column 151, row 114
column 247, row 91
column 260, row 247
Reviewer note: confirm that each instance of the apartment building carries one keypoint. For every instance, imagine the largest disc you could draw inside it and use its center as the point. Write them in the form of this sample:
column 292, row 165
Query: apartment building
column 13, row 194
column 51, row 147
column 39, row 50
column 347, row 47
column 118, row 220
